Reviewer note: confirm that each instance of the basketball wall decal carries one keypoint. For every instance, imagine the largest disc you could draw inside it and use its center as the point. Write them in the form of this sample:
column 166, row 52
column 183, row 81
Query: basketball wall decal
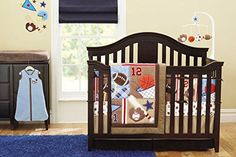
column 120, row 79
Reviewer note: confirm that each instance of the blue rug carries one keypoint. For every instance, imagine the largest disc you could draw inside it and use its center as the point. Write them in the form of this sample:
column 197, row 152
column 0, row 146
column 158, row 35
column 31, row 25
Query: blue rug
column 58, row 146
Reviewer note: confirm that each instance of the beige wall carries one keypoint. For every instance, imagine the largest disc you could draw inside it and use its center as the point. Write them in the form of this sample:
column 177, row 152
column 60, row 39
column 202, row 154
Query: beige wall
column 168, row 16
column 14, row 36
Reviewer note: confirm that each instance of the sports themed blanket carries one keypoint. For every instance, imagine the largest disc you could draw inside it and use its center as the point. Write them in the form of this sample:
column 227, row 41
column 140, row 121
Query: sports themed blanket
column 134, row 94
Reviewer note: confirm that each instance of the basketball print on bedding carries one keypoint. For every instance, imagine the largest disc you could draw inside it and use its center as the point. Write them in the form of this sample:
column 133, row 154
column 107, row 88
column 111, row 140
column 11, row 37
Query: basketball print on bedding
column 146, row 81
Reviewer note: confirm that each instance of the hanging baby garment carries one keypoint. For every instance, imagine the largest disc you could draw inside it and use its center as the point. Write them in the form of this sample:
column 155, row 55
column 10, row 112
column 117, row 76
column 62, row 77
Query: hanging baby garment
column 30, row 105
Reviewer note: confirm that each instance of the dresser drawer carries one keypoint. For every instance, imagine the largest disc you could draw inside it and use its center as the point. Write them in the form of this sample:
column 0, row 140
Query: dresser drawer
column 4, row 73
column 4, row 91
column 4, row 109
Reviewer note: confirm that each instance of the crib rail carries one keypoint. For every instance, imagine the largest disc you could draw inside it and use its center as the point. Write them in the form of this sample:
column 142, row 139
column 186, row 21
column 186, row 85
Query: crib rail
column 209, row 72
column 149, row 47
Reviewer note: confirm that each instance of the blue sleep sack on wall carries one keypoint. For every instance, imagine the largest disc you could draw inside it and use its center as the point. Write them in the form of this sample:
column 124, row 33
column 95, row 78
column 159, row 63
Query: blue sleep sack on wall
column 30, row 104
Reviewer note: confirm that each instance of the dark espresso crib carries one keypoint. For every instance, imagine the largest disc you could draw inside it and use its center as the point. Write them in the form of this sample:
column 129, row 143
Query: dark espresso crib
column 186, row 125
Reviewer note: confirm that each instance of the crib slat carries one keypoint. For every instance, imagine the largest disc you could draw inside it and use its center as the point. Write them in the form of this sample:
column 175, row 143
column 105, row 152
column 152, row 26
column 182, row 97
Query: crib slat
column 115, row 57
column 100, row 106
column 123, row 55
column 199, row 103
column 109, row 105
column 90, row 104
column 131, row 53
column 172, row 105
column 181, row 105
column 187, row 60
column 163, row 53
column 107, row 59
column 157, row 53
column 208, row 103
column 179, row 59
column 190, row 104
column 99, row 58
column 217, row 109
column 203, row 61
column 195, row 61
column 171, row 57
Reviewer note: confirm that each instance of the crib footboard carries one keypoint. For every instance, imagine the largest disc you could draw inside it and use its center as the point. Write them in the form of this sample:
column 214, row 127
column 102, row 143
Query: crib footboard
column 198, row 114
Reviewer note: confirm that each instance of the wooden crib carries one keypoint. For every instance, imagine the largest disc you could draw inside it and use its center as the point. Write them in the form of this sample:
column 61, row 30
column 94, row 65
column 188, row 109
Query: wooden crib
column 181, row 132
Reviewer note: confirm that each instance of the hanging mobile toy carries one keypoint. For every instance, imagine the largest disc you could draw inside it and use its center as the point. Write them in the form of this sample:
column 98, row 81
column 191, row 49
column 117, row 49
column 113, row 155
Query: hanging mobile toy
column 199, row 37
column 207, row 37
column 182, row 38
column 195, row 19
column 191, row 39
column 196, row 31
column 194, row 28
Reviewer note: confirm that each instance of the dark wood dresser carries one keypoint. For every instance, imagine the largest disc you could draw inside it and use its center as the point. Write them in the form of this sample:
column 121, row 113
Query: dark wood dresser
column 11, row 63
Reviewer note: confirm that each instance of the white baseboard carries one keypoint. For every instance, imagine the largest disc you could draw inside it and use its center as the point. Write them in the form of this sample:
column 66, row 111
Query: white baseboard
column 228, row 115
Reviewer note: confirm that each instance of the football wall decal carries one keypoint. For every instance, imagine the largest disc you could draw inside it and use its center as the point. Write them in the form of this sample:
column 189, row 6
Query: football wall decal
column 120, row 79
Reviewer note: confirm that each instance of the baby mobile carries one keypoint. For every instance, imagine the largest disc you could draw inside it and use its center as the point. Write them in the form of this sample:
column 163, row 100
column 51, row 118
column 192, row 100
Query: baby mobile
column 197, row 32
column 36, row 15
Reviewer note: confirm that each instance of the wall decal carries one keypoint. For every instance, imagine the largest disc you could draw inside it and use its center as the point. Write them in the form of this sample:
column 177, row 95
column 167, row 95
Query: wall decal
column 31, row 27
column 43, row 14
column 28, row 5
column 36, row 15
column 43, row 4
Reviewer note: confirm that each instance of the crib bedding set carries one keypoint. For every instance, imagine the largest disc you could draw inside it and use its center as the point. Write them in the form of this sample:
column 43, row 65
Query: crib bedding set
column 133, row 94
column 140, row 99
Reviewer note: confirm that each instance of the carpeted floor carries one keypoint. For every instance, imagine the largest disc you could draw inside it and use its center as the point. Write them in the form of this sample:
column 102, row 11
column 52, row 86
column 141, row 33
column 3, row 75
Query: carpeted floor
column 58, row 146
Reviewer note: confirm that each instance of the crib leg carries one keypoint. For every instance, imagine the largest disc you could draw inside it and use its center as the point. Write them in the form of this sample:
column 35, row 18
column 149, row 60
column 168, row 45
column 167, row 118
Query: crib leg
column 217, row 145
column 46, row 124
column 217, row 137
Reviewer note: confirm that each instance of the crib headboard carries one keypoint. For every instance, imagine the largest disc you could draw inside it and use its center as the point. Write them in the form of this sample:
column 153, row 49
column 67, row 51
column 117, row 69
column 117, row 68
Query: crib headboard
column 149, row 47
